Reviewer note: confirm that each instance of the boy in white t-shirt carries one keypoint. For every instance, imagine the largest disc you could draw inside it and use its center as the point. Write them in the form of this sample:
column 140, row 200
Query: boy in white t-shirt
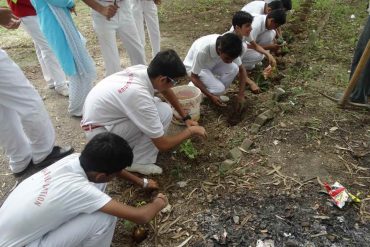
column 65, row 204
column 124, row 104
column 146, row 10
column 261, row 38
column 241, row 26
column 213, row 63
column 262, row 8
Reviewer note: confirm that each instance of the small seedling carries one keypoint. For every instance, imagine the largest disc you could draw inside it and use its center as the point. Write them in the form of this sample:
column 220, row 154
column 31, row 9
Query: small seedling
column 140, row 203
column 128, row 225
column 188, row 149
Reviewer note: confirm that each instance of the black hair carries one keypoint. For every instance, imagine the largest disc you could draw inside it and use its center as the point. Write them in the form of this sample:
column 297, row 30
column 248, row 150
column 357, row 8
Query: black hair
column 277, row 4
column 230, row 44
column 107, row 153
column 166, row 63
column 287, row 4
column 240, row 18
column 278, row 15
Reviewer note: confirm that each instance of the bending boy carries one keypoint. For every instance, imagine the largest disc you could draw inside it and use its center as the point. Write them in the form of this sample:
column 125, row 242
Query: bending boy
column 124, row 104
column 213, row 62
column 262, row 8
column 65, row 204
column 261, row 38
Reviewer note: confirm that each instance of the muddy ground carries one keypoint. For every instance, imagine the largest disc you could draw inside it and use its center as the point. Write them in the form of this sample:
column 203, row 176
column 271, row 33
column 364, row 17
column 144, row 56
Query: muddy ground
column 273, row 192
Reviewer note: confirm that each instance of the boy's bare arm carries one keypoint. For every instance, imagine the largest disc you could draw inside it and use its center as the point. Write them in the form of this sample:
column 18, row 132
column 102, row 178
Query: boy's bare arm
column 107, row 11
column 257, row 47
column 171, row 97
column 244, row 80
column 152, row 185
column 139, row 215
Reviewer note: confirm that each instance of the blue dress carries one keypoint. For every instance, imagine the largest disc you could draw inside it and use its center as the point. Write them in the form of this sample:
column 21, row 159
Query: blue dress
column 54, row 33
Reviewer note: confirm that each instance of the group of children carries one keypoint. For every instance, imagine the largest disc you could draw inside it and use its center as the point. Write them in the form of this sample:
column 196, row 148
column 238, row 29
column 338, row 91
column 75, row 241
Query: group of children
column 123, row 120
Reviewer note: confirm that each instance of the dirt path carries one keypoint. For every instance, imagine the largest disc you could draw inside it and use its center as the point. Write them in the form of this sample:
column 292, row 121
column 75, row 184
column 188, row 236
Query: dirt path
column 272, row 191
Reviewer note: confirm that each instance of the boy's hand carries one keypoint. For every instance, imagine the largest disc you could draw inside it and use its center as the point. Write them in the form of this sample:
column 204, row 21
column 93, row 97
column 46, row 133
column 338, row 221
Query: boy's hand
column 190, row 122
column 109, row 11
column 160, row 198
column 217, row 101
column 240, row 103
column 254, row 87
column 8, row 20
column 152, row 185
column 198, row 130
column 272, row 61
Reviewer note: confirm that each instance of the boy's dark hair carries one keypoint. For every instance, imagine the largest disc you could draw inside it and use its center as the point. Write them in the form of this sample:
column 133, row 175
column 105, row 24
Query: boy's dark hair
column 240, row 18
column 230, row 44
column 107, row 153
column 278, row 15
column 287, row 4
column 276, row 4
column 166, row 63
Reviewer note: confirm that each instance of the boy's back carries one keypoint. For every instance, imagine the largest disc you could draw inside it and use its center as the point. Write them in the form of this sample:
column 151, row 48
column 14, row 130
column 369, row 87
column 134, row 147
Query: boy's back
column 46, row 200
column 255, row 8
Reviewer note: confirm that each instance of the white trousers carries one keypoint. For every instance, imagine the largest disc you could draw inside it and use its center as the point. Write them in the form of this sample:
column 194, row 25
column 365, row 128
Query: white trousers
column 219, row 78
column 26, row 131
column 147, row 10
column 53, row 73
column 123, row 24
column 251, row 57
column 85, row 230
column 145, row 152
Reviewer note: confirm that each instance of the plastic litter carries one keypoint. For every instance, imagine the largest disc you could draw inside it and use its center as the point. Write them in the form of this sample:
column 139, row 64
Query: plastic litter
column 340, row 195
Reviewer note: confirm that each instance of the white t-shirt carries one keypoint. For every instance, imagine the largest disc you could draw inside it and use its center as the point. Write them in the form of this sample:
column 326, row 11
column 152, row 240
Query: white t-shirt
column 203, row 55
column 46, row 200
column 255, row 8
column 258, row 27
column 127, row 95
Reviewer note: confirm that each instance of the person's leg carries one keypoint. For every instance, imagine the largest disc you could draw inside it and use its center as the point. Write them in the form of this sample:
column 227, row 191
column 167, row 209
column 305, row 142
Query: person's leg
column 129, row 35
column 226, row 72
column 362, row 90
column 49, row 64
column 250, row 58
column 137, row 12
column 106, row 32
column 14, row 86
column 266, row 38
column 152, row 24
column 13, row 140
column 85, row 230
column 145, row 152
column 213, row 84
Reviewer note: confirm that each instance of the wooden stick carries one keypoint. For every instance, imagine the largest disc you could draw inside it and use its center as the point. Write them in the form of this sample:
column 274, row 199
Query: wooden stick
column 352, row 83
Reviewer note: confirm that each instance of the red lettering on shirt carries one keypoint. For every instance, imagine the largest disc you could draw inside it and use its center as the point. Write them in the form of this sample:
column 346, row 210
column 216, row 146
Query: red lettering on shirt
column 45, row 188
column 128, row 82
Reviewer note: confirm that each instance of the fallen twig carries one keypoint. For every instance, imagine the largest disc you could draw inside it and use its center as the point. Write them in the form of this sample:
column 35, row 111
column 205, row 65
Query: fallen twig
column 185, row 242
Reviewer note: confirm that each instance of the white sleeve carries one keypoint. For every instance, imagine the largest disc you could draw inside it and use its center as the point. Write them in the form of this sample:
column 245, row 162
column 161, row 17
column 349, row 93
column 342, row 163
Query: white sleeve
column 144, row 114
column 88, row 198
column 199, row 62
column 238, row 60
